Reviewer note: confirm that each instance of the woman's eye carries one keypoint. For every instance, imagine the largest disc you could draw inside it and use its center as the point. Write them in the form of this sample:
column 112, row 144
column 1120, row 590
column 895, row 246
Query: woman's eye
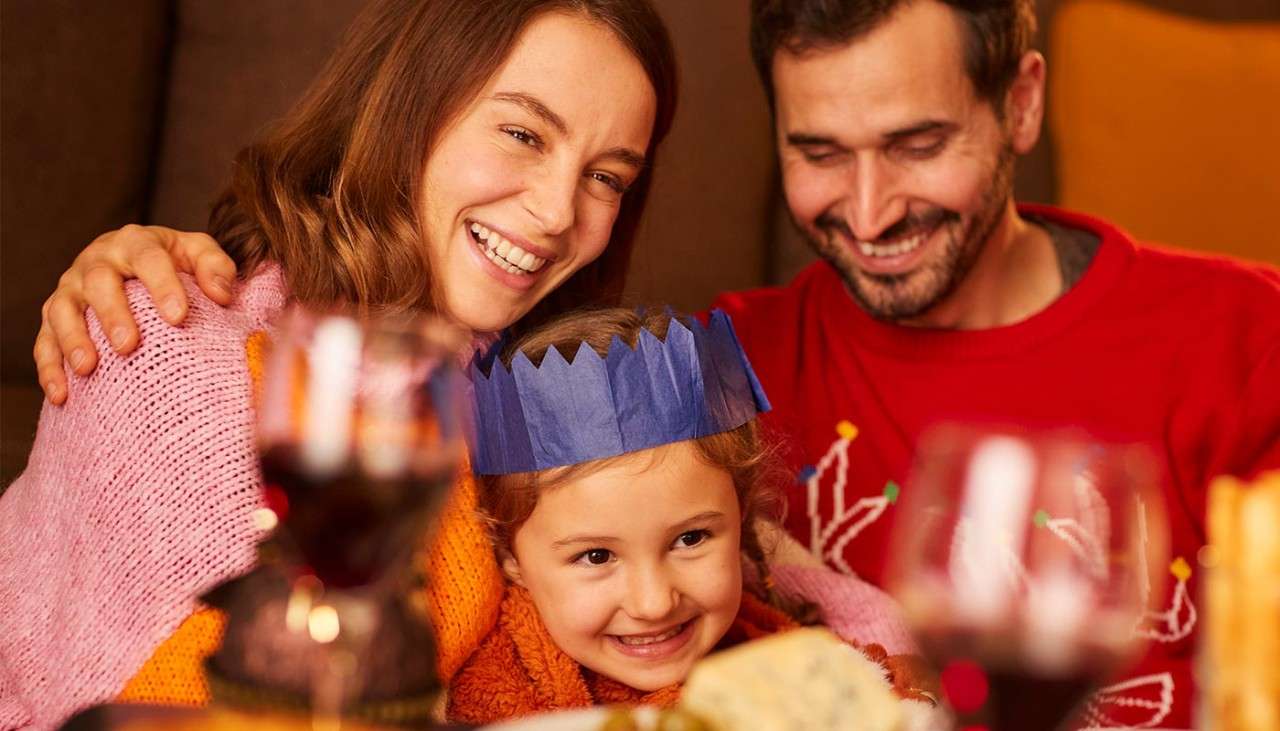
column 523, row 136
column 616, row 185
column 692, row 538
column 595, row 557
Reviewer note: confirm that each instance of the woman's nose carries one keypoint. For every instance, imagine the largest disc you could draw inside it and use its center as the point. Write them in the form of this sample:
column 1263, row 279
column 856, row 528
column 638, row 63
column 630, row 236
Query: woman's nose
column 651, row 595
column 550, row 199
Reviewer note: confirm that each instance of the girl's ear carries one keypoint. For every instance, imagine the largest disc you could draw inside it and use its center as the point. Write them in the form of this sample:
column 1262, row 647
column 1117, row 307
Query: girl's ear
column 510, row 567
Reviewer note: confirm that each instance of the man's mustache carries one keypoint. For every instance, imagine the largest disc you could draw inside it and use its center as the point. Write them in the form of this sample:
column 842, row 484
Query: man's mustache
column 908, row 225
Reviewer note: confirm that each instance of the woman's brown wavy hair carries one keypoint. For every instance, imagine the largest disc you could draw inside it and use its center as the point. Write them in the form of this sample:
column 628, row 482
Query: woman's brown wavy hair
column 333, row 191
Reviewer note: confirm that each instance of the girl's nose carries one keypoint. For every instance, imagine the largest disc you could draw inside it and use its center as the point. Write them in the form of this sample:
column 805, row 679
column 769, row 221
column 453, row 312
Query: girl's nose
column 651, row 596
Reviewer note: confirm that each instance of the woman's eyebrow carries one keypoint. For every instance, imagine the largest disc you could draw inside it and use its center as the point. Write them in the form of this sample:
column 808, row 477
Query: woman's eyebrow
column 535, row 107
column 625, row 156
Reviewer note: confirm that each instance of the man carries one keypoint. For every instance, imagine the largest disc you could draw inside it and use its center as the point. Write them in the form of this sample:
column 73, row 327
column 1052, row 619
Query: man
column 938, row 299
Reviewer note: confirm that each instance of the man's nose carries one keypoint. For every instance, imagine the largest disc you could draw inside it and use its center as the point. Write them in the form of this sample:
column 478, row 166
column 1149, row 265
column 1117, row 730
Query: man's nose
column 550, row 197
column 875, row 202
column 651, row 595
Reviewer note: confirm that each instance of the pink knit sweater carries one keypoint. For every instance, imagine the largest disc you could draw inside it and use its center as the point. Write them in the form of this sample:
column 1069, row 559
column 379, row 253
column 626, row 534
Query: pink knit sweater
column 137, row 499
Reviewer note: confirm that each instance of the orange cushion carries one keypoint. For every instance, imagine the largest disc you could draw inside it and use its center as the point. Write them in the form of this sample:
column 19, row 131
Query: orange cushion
column 1167, row 124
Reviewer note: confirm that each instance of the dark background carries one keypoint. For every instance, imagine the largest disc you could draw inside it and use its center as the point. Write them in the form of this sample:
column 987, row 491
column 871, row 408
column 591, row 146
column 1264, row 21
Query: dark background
column 131, row 111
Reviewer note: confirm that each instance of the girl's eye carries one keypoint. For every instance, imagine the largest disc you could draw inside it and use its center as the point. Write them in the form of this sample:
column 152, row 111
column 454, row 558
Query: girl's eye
column 594, row 557
column 523, row 136
column 692, row 538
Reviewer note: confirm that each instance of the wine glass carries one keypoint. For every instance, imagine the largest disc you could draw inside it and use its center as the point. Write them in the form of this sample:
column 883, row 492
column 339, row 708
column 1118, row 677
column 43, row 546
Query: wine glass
column 1021, row 563
column 360, row 435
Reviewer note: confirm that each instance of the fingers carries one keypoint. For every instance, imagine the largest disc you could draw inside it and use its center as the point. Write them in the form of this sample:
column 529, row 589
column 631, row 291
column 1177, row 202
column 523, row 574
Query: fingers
column 200, row 255
column 156, row 270
column 53, row 381
column 104, row 292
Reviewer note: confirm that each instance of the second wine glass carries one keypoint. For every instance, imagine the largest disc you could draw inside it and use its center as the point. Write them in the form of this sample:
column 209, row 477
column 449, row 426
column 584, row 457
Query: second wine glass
column 1021, row 563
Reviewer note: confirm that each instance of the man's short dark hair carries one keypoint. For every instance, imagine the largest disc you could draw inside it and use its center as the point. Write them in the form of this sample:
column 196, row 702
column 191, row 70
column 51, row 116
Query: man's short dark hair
column 997, row 34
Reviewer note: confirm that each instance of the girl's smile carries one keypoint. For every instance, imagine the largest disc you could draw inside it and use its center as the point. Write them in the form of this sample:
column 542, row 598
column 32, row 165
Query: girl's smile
column 655, row 645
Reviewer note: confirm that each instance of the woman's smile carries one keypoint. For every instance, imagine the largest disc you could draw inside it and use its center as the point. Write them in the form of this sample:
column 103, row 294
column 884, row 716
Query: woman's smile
column 510, row 260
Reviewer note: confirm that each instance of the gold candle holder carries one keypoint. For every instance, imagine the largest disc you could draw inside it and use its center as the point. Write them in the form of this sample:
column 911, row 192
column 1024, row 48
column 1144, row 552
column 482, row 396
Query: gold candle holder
column 1239, row 664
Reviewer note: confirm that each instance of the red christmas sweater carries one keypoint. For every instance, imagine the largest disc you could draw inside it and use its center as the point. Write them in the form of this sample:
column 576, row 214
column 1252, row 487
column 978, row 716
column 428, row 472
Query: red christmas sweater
column 1175, row 350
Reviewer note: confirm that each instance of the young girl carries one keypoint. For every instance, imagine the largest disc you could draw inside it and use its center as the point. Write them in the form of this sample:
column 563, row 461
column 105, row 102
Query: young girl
column 622, row 475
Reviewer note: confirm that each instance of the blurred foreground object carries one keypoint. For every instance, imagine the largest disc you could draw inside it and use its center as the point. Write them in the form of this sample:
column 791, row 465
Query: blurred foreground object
column 1166, row 124
column 1021, row 564
column 1240, row 657
column 360, row 437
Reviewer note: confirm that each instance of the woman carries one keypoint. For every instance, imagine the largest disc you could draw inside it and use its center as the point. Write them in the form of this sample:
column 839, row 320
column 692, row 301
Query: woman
column 485, row 160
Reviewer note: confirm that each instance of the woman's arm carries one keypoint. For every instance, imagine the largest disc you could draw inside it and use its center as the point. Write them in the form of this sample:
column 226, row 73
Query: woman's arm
column 152, row 254
column 138, row 497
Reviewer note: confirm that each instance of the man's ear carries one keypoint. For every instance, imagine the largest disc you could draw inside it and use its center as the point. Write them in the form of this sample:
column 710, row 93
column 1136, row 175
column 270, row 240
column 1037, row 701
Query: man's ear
column 1024, row 105
column 510, row 566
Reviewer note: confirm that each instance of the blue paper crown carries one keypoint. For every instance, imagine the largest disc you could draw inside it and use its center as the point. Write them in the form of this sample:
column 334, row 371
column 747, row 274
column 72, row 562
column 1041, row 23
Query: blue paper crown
column 695, row 383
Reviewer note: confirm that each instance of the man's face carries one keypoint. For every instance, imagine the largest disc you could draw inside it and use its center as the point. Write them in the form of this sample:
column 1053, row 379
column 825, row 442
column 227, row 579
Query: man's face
column 894, row 168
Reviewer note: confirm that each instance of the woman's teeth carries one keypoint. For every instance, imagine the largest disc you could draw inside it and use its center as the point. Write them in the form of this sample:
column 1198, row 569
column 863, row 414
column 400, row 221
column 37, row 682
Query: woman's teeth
column 650, row 639
column 905, row 246
column 505, row 254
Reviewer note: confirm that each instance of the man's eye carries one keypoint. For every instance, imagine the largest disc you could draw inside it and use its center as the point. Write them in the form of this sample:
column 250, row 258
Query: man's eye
column 523, row 136
column 692, row 538
column 594, row 557
column 922, row 152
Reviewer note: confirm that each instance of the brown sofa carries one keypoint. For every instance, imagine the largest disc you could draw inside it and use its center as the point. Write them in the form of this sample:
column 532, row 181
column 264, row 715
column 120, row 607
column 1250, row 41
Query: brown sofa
column 131, row 111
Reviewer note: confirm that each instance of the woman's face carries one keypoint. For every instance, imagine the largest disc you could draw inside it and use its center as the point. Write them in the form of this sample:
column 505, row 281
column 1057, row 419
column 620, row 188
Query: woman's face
column 635, row 568
column 522, row 190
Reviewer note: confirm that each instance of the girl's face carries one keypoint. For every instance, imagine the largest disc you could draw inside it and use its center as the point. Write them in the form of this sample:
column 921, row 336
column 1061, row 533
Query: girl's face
column 636, row 568
column 522, row 190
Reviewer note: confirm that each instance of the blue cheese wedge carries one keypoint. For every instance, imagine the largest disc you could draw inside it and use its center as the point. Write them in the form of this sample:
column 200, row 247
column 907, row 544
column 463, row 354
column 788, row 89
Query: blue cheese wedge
column 802, row 680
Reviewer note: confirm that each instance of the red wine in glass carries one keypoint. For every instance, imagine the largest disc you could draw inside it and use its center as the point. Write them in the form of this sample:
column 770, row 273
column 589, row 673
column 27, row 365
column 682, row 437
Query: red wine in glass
column 1002, row 690
column 347, row 526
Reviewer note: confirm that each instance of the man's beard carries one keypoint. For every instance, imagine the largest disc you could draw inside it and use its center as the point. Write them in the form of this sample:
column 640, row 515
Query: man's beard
column 903, row 296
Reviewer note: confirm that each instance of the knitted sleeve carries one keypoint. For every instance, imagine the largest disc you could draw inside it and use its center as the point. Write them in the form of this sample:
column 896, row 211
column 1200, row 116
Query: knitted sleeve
column 136, row 499
column 852, row 608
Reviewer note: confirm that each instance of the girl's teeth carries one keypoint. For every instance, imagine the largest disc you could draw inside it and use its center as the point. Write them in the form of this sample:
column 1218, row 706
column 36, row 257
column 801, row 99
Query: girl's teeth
column 504, row 248
column 653, row 639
